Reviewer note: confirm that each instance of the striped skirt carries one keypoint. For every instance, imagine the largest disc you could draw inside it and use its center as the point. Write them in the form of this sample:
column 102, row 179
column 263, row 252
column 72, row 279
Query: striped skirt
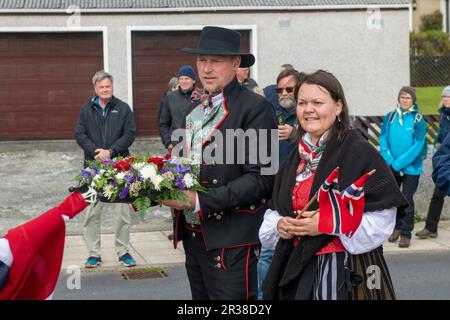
column 343, row 276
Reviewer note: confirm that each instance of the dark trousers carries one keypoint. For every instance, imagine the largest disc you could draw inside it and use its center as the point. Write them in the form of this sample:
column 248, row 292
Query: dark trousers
column 222, row 274
column 435, row 209
column 405, row 216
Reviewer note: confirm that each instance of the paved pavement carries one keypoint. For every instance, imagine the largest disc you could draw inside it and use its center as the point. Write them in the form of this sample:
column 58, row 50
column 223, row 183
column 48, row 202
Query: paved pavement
column 147, row 248
column 439, row 244
column 154, row 249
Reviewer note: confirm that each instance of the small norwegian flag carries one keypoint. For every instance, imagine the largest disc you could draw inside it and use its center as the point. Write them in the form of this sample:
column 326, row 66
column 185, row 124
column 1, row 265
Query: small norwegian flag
column 341, row 213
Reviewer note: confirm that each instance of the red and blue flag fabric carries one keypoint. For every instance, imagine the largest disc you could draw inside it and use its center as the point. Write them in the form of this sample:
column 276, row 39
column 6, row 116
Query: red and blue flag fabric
column 340, row 213
column 353, row 198
column 36, row 251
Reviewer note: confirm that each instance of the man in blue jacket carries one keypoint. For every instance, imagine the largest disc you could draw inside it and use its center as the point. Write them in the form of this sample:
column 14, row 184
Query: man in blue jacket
column 402, row 145
column 285, row 110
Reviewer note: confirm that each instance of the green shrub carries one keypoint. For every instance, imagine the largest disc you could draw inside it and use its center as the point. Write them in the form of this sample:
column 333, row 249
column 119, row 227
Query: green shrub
column 432, row 21
column 430, row 43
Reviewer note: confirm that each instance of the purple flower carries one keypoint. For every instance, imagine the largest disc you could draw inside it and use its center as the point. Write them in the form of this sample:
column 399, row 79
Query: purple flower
column 185, row 169
column 180, row 183
column 112, row 182
column 165, row 169
column 96, row 171
column 130, row 179
column 181, row 170
column 124, row 192
column 175, row 161
column 86, row 174
column 106, row 161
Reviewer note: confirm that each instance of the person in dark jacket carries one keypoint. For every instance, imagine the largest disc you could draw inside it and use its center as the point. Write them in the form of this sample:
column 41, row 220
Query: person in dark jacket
column 172, row 86
column 437, row 200
column 270, row 91
column 176, row 106
column 219, row 227
column 287, row 81
column 106, row 129
column 243, row 76
column 285, row 110
column 441, row 166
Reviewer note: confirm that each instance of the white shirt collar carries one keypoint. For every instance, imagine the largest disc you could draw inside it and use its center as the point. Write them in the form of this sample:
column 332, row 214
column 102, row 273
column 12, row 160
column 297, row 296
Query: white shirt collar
column 307, row 138
column 217, row 99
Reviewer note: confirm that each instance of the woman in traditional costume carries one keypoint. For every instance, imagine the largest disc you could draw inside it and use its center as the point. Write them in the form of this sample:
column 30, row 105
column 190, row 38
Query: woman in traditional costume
column 311, row 262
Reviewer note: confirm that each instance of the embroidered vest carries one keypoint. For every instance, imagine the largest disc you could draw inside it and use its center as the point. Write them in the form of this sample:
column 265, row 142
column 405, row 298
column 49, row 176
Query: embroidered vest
column 200, row 125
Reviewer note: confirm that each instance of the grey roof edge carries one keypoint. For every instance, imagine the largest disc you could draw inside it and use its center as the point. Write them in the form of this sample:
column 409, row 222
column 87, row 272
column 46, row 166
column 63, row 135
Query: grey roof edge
column 399, row 6
column 30, row 6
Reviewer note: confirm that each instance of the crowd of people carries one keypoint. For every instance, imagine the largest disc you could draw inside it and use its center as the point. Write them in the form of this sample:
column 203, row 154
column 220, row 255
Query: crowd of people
column 262, row 236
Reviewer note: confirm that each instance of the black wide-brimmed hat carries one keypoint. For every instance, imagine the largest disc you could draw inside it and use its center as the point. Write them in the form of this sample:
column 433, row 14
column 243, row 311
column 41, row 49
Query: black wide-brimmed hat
column 218, row 41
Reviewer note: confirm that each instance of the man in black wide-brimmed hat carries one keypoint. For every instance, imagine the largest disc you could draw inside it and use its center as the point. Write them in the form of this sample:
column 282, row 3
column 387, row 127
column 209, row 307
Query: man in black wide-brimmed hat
column 219, row 228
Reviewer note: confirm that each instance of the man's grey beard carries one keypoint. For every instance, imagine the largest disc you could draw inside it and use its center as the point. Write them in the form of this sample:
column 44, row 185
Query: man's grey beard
column 287, row 103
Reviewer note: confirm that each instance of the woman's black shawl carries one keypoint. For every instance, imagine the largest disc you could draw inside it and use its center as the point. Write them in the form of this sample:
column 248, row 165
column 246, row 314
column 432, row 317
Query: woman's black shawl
column 354, row 156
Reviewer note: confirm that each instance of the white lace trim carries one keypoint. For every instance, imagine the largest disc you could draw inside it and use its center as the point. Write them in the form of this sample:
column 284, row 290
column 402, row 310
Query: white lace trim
column 90, row 196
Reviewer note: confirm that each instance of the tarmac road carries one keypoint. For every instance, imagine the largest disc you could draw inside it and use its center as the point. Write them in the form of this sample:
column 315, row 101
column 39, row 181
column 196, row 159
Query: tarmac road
column 424, row 276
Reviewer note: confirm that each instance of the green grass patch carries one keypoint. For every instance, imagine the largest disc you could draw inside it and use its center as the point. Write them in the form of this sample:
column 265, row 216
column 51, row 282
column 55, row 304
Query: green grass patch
column 429, row 99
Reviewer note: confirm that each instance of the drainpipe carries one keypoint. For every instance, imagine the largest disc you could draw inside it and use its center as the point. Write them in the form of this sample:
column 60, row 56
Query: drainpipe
column 445, row 14
column 411, row 21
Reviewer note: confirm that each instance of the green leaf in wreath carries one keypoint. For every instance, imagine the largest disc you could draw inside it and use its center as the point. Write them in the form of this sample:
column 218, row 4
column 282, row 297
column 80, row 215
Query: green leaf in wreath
column 142, row 204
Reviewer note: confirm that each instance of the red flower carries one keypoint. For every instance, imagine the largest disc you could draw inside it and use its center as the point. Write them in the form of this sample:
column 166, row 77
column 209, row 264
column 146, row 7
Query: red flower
column 168, row 156
column 156, row 160
column 122, row 166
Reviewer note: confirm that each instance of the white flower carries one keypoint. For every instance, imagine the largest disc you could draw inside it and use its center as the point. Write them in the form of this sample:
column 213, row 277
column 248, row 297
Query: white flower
column 156, row 181
column 95, row 180
column 135, row 187
column 188, row 180
column 120, row 176
column 108, row 191
column 138, row 166
column 148, row 171
column 168, row 175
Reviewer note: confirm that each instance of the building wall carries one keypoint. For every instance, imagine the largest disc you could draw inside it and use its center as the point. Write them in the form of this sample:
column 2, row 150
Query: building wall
column 424, row 7
column 371, row 62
